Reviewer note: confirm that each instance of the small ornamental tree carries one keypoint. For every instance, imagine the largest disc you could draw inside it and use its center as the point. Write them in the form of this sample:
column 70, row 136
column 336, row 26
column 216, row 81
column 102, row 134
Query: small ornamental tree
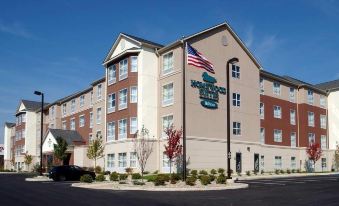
column 60, row 149
column 95, row 150
column 173, row 148
column 28, row 160
column 314, row 152
column 143, row 147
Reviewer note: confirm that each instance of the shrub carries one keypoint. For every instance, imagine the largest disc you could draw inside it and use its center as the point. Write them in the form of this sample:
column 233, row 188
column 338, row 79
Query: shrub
column 123, row 176
column 288, row 171
column 129, row 170
column 86, row 178
column 221, row 171
column 248, row 173
column 282, row 171
column 138, row 183
column 175, row 176
column 203, row 172
column 146, row 172
column 150, row 178
column 262, row 172
column 194, row 172
column 191, row 181
column 293, row 170
column 213, row 172
column 36, row 168
column 205, row 180
column 276, row 171
column 255, row 172
column 239, row 174
column 221, row 179
column 136, row 176
column 114, row 176
column 212, row 178
column 107, row 172
column 161, row 179
column 156, row 172
column 100, row 178
column 298, row 171
column 97, row 169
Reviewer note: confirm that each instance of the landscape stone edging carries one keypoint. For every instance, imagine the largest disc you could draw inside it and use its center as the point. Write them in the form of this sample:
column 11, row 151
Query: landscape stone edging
column 282, row 176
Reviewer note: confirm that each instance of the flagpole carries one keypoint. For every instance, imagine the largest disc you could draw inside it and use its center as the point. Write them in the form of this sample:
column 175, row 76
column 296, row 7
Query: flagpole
column 184, row 110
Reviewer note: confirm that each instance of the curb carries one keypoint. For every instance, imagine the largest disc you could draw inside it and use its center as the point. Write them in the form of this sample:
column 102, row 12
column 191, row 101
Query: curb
column 37, row 179
column 283, row 176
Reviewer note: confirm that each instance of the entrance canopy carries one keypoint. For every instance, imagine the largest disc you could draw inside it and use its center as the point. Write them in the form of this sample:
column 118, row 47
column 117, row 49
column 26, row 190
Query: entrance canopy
column 70, row 136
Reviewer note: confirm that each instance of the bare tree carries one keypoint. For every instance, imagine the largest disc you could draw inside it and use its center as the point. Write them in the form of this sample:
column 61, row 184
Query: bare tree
column 143, row 147
column 96, row 149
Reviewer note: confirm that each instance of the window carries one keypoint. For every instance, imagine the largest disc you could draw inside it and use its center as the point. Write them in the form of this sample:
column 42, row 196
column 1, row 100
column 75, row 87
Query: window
column 110, row 160
column 99, row 92
column 276, row 88
column 73, row 106
column 165, row 160
column 134, row 64
column 99, row 134
column 292, row 117
column 167, row 121
column 236, row 128
column 236, row 99
column 23, row 133
column 293, row 139
column 99, row 115
column 311, row 138
column 167, row 63
column 111, row 103
column 91, row 98
column 134, row 94
column 90, row 138
column 133, row 159
column 262, row 110
column 23, row 116
column 292, row 94
column 235, row 71
column 122, row 160
column 311, row 119
column 52, row 112
column 82, row 121
column 64, row 125
column 122, row 129
column 123, row 69
column 323, row 121
column 91, row 120
column 277, row 112
column 112, row 74
column 323, row 163
column 133, row 125
column 293, row 163
column 323, row 142
column 167, row 94
column 123, row 99
column 72, row 125
column 82, row 100
column 261, row 84
column 277, row 162
column 262, row 135
column 310, row 97
column 322, row 101
column 277, row 135
column 110, row 131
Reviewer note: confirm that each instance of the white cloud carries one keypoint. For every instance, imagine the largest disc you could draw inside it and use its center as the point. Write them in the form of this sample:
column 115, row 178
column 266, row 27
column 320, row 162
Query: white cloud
column 15, row 29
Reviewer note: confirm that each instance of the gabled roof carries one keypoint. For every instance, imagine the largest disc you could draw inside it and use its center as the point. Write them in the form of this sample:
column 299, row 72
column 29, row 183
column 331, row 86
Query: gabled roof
column 9, row 124
column 329, row 86
column 31, row 105
column 72, row 96
column 277, row 77
column 70, row 136
column 144, row 40
column 98, row 81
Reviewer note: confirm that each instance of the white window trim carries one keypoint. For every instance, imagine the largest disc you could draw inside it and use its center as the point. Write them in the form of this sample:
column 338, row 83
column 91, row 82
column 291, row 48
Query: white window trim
column 96, row 118
column 295, row 116
column 122, row 136
column 277, row 117
column 274, row 91
column 163, row 134
column 162, row 95
column 70, row 123
column 240, row 133
column 162, row 66
column 80, row 116
column 130, row 125
column 281, row 138
column 122, row 77
column 310, row 123
column 114, row 80
column 124, row 107
column 112, row 138
column 111, row 109
column 137, row 57
column 236, row 99
column 130, row 94
column 99, row 95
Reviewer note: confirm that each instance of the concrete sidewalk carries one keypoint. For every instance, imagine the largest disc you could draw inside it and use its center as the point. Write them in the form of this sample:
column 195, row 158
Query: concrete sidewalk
column 273, row 176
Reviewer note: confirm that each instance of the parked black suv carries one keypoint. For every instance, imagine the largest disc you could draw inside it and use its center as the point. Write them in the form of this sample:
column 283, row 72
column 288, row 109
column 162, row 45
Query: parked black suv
column 68, row 172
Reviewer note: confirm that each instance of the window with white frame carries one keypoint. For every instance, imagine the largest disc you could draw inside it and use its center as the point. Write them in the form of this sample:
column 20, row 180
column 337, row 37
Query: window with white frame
column 112, row 74
column 73, row 106
column 123, row 69
column 72, row 124
column 64, row 125
column 236, row 128
column 91, row 120
column 293, row 163
column 262, row 110
column 277, row 162
column 111, row 103
column 276, row 88
column 311, row 138
column 134, row 63
column 123, row 99
column 323, row 162
column 99, row 115
column 110, row 131
column 133, row 159
column 165, row 160
column 122, row 160
column 110, row 160
column 277, row 112
column 236, row 99
column 261, row 85
column 292, row 117
column 322, row 101
column 167, row 94
column 167, row 121
column 310, row 97
column 323, row 142
column 52, row 112
column 167, row 63
column 122, row 129
column 323, row 121
column 310, row 119
column 82, row 100
column 292, row 94
column 293, row 139
column 82, row 121
column 133, row 125
column 99, row 92
column 277, row 135
column 262, row 135
column 91, row 98
column 23, row 133
column 134, row 94
column 235, row 71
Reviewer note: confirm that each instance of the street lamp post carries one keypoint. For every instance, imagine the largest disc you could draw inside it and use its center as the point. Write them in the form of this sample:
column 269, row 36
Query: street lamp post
column 230, row 61
column 41, row 126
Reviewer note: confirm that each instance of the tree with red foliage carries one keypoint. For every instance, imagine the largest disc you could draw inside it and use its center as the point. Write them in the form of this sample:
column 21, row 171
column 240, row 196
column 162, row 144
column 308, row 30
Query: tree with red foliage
column 173, row 148
column 314, row 152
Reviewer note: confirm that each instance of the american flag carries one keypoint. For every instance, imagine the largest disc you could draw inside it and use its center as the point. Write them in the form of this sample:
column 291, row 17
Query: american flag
column 195, row 58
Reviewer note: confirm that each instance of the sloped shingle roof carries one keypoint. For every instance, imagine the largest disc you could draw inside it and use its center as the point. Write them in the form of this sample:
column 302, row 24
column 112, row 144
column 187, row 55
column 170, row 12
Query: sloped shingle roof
column 69, row 135
column 143, row 40
column 9, row 124
column 329, row 85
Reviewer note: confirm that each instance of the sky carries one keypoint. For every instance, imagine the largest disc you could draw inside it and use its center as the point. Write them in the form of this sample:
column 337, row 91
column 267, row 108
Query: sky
column 58, row 46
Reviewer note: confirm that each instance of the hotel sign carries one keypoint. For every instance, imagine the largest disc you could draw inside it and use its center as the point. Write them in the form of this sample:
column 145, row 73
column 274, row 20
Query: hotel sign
column 208, row 92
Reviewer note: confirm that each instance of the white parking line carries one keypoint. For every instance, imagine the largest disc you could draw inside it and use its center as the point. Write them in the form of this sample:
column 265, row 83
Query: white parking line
column 284, row 181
